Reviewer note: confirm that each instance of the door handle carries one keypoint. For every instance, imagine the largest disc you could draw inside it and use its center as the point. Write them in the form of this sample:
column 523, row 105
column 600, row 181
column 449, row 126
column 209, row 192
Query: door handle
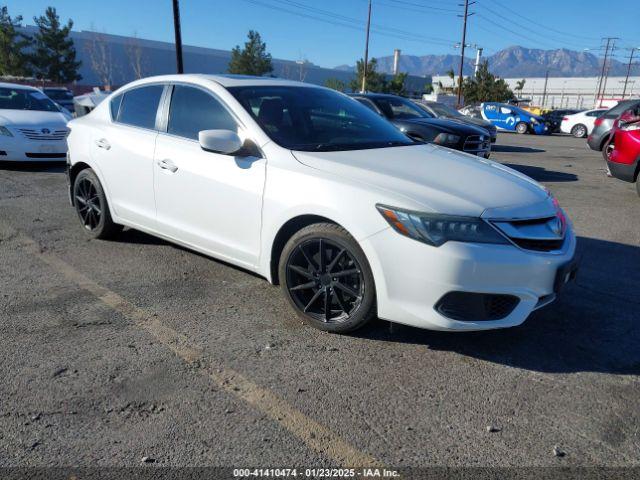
column 167, row 164
column 102, row 143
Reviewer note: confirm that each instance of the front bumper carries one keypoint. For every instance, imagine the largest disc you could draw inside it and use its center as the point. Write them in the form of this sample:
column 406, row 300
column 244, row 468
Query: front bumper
column 32, row 151
column 411, row 277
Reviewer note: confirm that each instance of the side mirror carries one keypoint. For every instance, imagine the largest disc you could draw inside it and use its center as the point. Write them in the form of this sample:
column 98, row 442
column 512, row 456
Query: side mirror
column 225, row 142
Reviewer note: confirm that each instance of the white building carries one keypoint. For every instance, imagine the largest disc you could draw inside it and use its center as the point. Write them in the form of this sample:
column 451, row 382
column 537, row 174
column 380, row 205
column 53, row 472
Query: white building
column 573, row 92
column 564, row 92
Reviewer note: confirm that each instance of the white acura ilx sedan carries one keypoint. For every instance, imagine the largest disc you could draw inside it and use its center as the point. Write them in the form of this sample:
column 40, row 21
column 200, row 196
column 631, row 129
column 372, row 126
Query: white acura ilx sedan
column 315, row 192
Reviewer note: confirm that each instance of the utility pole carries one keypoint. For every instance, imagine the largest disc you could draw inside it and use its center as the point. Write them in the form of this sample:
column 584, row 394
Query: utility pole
column 462, row 45
column 366, row 52
column 604, row 67
column 176, row 27
column 606, row 75
column 626, row 80
column 544, row 90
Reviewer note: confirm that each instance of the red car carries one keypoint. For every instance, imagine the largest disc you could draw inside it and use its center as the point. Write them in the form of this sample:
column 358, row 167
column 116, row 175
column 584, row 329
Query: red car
column 623, row 151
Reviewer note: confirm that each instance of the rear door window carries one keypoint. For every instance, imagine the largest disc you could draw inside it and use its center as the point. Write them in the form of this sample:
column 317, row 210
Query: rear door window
column 140, row 106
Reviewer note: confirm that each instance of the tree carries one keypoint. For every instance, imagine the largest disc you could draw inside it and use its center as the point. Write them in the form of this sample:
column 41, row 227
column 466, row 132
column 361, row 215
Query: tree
column 336, row 84
column 485, row 87
column 136, row 57
column 54, row 56
column 452, row 75
column 13, row 60
column 253, row 59
column 375, row 81
column 520, row 86
column 396, row 84
column 101, row 59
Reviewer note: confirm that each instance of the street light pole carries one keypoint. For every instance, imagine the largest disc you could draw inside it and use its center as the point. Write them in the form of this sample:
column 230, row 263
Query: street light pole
column 462, row 45
column 366, row 52
column 176, row 27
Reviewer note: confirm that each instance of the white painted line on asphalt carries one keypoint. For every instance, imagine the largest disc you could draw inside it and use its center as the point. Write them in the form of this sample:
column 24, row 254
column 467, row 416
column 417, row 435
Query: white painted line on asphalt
column 313, row 434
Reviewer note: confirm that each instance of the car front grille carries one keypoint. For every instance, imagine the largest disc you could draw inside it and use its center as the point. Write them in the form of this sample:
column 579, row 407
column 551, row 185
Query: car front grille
column 476, row 143
column 545, row 234
column 44, row 134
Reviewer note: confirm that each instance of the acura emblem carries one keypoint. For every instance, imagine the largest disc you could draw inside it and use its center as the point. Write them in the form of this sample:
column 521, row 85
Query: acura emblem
column 45, row 131
column 555, row 225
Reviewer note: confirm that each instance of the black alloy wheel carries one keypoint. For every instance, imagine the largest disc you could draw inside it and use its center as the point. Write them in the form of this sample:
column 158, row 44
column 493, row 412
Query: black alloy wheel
column 327, row 278
column 88, row 204
column 91, row 205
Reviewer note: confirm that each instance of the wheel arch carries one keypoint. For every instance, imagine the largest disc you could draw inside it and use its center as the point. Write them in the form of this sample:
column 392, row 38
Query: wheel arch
column 285, row 232
column 74, row 170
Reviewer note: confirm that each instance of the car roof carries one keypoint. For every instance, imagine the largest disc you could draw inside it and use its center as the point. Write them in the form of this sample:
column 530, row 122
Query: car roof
column 375, row 95
column 17, row 85
column 228, row 80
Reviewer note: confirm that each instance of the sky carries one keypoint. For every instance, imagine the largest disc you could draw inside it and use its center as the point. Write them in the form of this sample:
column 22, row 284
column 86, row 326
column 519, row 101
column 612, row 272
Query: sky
column 331, row 32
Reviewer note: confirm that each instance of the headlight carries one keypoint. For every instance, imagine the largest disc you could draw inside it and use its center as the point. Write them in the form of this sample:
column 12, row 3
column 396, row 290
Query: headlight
column 534, row 121
column 446, row 139
column 4, row 131
column 435, row 229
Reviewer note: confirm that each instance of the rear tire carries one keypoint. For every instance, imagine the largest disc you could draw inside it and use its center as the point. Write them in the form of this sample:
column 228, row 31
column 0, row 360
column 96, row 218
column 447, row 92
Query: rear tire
column 522, row 128
column 579, row 131
column 326, row 279
column 91, row 206
column 608, row 148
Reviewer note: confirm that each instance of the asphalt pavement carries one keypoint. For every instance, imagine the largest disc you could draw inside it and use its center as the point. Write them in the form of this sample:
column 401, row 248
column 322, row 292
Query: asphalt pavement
column 137, row 352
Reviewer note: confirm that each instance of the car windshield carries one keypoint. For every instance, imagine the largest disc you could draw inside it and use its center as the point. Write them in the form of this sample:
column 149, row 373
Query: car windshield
column 317, row 119
column 24, row 99
column 398, row 108
column 618, row 109
column 443, row 110
column 58, row 94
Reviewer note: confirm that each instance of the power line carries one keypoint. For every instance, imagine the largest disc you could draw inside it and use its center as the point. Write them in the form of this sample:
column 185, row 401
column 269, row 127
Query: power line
column 535, row 32
column 541, row 24
column 355, row 24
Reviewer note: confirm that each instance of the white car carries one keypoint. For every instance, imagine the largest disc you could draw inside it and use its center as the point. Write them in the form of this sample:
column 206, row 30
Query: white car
column 32, row 126
column 580, row 124
column 315, row 192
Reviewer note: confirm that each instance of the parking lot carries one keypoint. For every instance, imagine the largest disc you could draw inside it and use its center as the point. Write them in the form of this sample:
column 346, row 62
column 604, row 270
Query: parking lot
column 114, row 351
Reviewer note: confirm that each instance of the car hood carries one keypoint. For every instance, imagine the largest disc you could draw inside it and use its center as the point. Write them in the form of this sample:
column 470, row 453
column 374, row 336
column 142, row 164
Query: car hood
column 473, row 121
column 450, row 126
column 435, row 179
column 32, row 118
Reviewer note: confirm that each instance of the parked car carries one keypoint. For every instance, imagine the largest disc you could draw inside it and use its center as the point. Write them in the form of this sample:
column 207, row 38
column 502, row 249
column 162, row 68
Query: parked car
column 515, row 119
column 473, row 111
column 623, row 151
column 440, row 110
column 62, row 96
column 312, row 190
column 554, row 118
column 32, row 127
column 421, row 125
column 603, row 125
column 581, row 124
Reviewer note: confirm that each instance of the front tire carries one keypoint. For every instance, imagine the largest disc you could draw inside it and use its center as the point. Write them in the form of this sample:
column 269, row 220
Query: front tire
column 579, row 131
column 91, row 206
column 327, row 279
column 522, row 128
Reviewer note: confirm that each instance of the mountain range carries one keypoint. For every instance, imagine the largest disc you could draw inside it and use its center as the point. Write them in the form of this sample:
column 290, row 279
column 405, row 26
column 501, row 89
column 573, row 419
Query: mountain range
column 511, row 62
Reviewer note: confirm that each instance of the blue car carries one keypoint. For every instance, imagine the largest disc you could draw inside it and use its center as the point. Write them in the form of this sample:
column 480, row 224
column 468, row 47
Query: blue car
column 515, row 119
